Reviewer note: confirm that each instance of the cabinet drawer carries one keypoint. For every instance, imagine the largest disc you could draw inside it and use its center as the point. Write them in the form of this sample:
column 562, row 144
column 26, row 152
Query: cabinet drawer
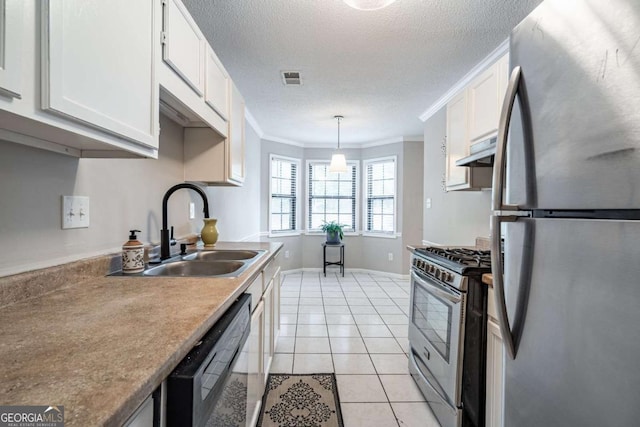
column 255, row 289
column 270, row 270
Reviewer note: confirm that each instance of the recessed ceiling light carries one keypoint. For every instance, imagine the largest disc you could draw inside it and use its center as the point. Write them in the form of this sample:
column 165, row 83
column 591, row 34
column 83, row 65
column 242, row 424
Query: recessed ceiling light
column 368, row 4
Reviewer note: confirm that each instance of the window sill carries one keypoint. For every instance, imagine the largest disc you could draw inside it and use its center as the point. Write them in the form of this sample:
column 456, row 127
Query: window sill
column 284, row 234
column 382, row 235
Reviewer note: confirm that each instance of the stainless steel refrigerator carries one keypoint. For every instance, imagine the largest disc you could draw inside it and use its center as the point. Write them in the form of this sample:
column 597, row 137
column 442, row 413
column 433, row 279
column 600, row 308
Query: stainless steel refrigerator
column 566, row 202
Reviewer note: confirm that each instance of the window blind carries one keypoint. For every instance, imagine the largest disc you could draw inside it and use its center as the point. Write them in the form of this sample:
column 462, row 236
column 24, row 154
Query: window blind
column 332, row 196
column 381, row 195
column 284, row 186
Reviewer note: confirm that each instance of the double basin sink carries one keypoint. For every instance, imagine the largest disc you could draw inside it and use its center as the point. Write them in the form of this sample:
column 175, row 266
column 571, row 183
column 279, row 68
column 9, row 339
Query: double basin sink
column 207, row 263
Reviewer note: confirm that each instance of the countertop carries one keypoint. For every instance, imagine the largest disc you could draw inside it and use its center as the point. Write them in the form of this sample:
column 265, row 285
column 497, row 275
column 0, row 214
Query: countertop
column 101, row 345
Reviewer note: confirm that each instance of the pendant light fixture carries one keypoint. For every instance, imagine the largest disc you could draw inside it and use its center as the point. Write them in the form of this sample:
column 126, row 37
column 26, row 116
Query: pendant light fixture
column 338, row 161
column 368, row 4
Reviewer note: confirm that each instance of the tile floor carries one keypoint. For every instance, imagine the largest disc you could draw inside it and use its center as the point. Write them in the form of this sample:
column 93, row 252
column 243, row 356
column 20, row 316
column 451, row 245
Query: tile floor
column 355, row 326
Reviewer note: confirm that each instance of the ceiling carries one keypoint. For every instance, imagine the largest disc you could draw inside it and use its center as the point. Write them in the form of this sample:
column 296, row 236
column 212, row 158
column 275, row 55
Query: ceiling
column 379, row 69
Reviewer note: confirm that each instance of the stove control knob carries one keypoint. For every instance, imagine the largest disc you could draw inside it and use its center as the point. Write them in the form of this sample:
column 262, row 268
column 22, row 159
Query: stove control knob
column 447, row 277
column 438, row 273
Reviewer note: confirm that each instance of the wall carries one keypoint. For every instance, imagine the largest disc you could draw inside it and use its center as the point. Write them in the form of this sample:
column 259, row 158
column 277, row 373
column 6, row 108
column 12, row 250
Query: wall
column 456, row 217
column 305, row 251
column 124, row 194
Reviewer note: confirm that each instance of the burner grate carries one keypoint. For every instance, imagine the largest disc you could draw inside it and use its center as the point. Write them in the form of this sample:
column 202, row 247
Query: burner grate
column 459, row 259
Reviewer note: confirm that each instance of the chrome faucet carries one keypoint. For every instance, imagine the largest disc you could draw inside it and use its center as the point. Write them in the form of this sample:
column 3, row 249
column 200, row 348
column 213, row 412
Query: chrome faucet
column 165, row 251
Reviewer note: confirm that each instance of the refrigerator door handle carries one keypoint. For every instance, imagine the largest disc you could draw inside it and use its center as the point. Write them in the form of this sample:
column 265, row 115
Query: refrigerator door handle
column 501, row 147
column 498, row 284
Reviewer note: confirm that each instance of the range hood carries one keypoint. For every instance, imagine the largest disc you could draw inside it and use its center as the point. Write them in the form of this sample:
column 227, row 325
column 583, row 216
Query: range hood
column 482, row 154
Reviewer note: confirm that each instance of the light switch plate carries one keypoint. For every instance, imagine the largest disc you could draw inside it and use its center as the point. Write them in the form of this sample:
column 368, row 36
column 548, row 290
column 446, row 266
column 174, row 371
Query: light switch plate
column 75, row 212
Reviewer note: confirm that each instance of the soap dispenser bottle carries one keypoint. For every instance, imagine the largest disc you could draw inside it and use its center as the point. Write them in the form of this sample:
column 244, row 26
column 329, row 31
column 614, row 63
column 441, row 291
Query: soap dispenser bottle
column 133, row 254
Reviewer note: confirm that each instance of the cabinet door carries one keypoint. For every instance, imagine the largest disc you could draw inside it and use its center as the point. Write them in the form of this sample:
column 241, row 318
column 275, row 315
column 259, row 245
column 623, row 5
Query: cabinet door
column 484, row 105
column 255, row 377
column 267, row 340
column 11, row 28
column 216, row 85
column 276, row 308
column 236, row 137
column 457, row 142
column 99, row 75
column 183, row 44
column 494, row 375
column 503, row 79
column 98, row 65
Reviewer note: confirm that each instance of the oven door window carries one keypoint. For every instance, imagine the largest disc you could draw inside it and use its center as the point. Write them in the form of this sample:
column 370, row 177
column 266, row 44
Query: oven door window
column 432, row 316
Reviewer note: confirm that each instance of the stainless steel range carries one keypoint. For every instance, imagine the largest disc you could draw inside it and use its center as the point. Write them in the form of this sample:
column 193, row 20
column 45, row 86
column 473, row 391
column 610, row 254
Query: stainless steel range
column 448, row 333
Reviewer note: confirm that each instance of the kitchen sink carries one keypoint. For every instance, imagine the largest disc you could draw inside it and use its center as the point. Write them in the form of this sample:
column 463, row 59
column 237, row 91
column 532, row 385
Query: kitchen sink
column 221, row 255
column 197, row 269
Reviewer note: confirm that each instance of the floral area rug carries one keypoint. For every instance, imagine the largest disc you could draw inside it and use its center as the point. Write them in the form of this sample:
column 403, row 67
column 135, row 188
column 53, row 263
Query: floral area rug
column 301, row 401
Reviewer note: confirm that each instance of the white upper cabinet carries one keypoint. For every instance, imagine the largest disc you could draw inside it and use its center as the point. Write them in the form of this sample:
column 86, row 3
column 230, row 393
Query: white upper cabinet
column 183, row 45
column 484, row 105
column 236, row 137
column 11, row 45
column 457, row 142
column 216, row 85
column 98, row 65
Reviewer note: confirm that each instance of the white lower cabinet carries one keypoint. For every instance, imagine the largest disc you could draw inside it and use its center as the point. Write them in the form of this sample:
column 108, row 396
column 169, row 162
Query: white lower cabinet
column 267, row 335
column 495, row 354
column 255, row 378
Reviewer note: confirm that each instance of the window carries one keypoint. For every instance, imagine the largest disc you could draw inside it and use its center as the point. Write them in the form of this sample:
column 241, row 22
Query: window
column 332, row 196
column 380, row 193
column 284, row 194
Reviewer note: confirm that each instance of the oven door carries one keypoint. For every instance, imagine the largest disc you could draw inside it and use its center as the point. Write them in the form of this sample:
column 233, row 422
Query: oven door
column 436, row 334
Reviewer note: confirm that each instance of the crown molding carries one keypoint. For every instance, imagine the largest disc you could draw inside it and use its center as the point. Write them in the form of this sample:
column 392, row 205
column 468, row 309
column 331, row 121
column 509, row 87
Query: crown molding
column 464, row 81
column 282, row 141
column 386, row 141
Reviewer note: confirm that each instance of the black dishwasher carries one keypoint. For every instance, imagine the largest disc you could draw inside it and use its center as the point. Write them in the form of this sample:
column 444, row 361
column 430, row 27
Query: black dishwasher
column 209, row 386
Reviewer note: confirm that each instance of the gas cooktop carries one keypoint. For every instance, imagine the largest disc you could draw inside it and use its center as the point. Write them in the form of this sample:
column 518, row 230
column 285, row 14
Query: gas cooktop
column 460, row 260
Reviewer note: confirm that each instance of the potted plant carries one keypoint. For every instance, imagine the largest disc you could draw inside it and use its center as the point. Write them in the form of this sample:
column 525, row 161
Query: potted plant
column 334, row 231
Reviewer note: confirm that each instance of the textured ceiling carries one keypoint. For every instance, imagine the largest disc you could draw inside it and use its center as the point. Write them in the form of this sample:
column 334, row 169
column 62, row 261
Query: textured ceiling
column 380, row 69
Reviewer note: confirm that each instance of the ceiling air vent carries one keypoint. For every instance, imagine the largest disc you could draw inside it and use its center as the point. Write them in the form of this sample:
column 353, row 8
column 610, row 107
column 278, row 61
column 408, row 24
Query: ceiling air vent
column 291, row 78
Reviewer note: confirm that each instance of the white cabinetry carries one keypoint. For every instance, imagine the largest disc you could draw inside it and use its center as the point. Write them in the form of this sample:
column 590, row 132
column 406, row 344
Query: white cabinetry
column 11, row 45
column 73, row 83
column 236, row 138
column 267, row 335
column 217, row 85
column 98, row 75
column 183, row 44
column 213, row 159
column 457, row 146
column 473, row 116
column 265, row 326
column 484, row 105
column 495, row 355
column 255, row 379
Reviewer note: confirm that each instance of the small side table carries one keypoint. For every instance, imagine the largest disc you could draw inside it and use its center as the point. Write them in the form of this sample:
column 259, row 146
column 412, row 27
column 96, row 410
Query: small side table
column 326, row 245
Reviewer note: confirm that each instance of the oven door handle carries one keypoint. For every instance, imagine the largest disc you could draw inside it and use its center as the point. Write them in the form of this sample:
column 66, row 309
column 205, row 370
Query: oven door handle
column 438, row 290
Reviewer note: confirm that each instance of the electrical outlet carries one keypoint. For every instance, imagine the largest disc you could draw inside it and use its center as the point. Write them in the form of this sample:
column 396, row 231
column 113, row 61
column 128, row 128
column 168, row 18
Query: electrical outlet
column 390, row 256
column 75, row 212
column 286, row 254
column 428, row 203
column 192, row 210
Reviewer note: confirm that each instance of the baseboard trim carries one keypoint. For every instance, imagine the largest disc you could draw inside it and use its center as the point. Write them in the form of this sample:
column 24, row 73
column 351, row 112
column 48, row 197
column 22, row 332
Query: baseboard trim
column 350, row 270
